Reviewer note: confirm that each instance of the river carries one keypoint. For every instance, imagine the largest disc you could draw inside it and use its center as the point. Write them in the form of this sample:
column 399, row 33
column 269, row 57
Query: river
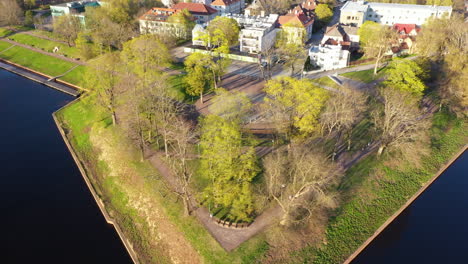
column 433, row 229
column 47, row 212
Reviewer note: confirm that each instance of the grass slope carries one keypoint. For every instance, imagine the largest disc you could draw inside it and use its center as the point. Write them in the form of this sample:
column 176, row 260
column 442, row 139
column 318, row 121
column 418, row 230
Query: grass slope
column 43, row 63
column 46, row 45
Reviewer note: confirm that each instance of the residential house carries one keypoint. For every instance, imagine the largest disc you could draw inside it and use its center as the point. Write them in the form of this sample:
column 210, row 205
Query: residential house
column 346, row 36
column 198, row 31
column 228, row 6
column 406, row 37
column 329, row 57
column 297, row 23
column 156, row 21
column 256, row 9
column 201, row 12
column 356, row 13
column 76, row 9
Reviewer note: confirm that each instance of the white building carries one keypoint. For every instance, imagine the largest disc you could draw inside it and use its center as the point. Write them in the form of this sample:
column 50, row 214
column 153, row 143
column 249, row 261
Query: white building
column 341, row 34
column 356, row 13
column 329, row 57
column 228, row 6
column 258, row 34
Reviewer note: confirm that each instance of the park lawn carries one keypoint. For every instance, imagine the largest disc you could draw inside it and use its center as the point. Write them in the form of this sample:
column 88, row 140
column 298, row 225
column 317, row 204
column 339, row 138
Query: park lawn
column 79, row 119
column 4, row 45
column 366, row 76
column 36, row 61
column 75, row 76
column 325, row 81
column 374, row 191
column 46, row 45
column 5, row 32
column 178, row 87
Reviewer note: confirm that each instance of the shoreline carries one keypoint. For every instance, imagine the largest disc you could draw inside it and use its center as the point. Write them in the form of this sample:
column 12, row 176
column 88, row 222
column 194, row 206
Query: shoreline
column 99, row 202
column 41, row 78
column 408, row 203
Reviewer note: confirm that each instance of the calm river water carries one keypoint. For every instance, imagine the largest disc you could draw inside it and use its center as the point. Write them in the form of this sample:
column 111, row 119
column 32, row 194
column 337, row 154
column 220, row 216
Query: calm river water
column 434, row 229
column 47, row 214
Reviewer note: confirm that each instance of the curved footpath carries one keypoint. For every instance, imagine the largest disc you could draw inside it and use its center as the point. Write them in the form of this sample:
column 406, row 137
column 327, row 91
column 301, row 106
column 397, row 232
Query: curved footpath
column 406, row 205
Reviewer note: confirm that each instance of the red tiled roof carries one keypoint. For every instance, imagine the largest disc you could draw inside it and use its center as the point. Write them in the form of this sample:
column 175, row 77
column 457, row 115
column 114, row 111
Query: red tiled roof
column 406, row 28
column 224, row 2
column 158, row 14
column 300, row 18
column 196, row 8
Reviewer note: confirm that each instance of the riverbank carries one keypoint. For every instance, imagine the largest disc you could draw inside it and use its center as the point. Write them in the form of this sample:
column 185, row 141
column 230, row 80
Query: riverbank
column 406, row 205
column 91, row 188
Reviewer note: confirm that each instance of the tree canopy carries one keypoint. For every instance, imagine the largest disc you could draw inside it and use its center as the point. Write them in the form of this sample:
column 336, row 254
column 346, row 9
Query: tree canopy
column 375, row 40
column 406, row 75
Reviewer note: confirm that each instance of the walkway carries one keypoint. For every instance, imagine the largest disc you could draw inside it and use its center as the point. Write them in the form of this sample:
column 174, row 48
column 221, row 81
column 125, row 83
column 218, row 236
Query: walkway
column 228, row 238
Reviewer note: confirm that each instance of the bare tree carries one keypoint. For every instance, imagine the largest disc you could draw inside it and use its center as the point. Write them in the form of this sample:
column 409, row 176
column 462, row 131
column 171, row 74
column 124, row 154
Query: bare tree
column 342, row 111
column 68, row 26
column 399, row 120
column 298, row 180
column 11, row 13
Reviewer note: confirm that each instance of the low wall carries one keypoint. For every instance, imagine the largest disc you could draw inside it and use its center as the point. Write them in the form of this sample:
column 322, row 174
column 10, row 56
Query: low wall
column 100, row 203
column 230, row 56
column 406, row 205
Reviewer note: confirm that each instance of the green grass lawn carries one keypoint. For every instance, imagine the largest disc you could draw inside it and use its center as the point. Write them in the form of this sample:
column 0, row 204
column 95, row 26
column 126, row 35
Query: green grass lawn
column 46, row 45
column 325, row 81
column 4, row 45
column 45, row 64
column 5, row 32
column 366, row 76
column 178, row 87
column 76, row 76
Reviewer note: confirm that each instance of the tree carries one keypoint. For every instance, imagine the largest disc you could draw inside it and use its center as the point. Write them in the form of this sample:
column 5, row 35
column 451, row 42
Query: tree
column 445, row 45
column 439, row 2
column 103, row 75
column 11, row 13
column 185, row 21
column 230, row 105
column 342, row 111
column 146, row 56
column 406, row 75
column 299, row 179
column 399, row 120
column 223, row 32
column 199, row 75
column 29, row 18
column 68, row 26
column 324, row 13
column 290, row 42
column 29, row 4
column 376, row 40
column 299, row 100
column 230, row 166
column 84, row 46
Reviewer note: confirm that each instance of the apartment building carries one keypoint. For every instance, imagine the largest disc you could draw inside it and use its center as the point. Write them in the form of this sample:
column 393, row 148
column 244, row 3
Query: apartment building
column 228, row 6
column 329, row 57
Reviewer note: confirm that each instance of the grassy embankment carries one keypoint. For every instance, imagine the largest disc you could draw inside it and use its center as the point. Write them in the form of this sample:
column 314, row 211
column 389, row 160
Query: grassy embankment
column 381, row 188
column 45, row 44
column 366, row 76
column 84, row 121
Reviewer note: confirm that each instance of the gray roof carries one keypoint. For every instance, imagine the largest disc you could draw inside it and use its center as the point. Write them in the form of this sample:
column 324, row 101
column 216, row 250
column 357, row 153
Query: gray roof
column 363, row 6
column 354, row 6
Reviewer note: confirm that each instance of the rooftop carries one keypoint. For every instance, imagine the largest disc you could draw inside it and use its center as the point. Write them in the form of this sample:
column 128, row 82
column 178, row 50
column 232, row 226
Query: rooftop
column 361, row 6
column 195, row 8
column 224, row 2
column 158, row 14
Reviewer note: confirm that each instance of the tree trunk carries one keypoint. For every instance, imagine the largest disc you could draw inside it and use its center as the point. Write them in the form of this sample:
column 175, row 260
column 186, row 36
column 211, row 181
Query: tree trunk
column 381, row 149
column 165, row 144
column 114, row 118
column 377, row 62
column 201, row 97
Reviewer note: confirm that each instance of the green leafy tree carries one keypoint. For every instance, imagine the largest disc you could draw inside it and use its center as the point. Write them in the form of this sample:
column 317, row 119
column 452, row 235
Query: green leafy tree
column 324, row 13
column 85, row 47
column 439, row 2
column 230, row 167
column 406, row 75
column 376, row 40
column 223, row 32
column 230, row 105
column 300, row 101
column 146, row 55
column 68, row 27
column 199, row 75
column 103, row 76
column 185, row 20
column 29, row 18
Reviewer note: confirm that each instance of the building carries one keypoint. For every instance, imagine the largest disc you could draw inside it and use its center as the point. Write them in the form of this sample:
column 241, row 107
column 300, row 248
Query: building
column 406, row 37
column 228, row 6
column 155, row 21
column 329, row 57
column 356, row 13
column 346, row 36
column 297, row 24
column 256, row 9
column 198, row 31
column 76, row 9
column 201, row 12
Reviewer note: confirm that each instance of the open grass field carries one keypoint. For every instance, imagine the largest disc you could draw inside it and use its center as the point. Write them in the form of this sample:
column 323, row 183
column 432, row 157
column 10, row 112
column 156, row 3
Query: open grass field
column 76, row 76
column 36, row 61
column 4, row 45
column 325, row 81
column 5, row 32
column 366, row 76
column 46, row 45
